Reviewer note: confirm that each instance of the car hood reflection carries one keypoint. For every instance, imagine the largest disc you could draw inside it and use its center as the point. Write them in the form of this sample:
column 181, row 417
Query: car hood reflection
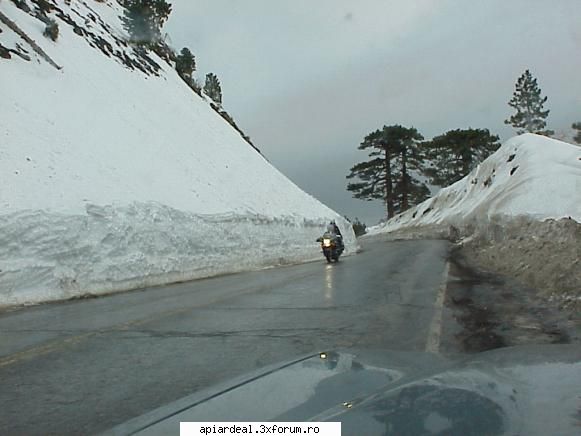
column 522, row 390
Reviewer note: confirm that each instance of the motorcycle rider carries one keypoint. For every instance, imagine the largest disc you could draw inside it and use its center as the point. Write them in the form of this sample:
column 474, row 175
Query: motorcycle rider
column 334, row 250
column 333, row 229
column 336, row 229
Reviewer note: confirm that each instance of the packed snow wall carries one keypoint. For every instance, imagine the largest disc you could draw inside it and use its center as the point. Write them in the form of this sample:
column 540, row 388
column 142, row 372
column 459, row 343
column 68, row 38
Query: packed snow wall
column 48, row 256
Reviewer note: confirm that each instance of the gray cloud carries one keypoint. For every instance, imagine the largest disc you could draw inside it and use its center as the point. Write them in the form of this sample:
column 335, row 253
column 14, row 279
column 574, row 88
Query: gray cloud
column 308, row 80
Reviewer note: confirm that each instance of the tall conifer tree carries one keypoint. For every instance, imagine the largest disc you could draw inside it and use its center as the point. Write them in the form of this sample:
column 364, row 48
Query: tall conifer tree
column 186, row 65
column 528, row 103
column 143, row 19
column 213, row 89
column 388, row 175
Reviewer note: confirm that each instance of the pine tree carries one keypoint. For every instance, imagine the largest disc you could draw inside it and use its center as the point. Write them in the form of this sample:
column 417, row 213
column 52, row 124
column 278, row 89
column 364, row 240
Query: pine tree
column 577, row 138
column 144, row 19
column 528, row 103
column 375, row 175
column 186, row 65
column 388, row 174
column 457, row 152
column 213, row 89
column 359, row 227
column 409, row 190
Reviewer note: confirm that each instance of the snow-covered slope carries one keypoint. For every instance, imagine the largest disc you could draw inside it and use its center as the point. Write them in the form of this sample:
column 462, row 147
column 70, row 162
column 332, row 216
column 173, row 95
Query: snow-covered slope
column 529, row 175
column 115, row 175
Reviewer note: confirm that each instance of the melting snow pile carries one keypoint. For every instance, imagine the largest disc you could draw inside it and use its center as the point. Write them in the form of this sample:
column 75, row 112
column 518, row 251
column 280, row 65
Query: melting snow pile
column 521, row 212
column 115, row 175
column 530, row 175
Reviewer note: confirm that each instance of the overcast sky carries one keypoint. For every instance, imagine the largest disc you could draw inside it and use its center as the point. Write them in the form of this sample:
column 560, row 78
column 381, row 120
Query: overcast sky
column 307, row 80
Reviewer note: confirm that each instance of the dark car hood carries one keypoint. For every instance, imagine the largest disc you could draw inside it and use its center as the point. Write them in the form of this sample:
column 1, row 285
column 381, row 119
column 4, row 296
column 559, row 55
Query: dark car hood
column 520, row 390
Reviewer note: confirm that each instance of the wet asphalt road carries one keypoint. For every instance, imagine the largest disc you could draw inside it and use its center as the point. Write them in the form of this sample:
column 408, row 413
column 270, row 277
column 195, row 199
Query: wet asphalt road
column 82, row 367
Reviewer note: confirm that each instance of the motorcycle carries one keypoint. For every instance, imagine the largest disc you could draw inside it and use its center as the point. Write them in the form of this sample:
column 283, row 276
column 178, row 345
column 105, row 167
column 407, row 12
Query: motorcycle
column 332, row 246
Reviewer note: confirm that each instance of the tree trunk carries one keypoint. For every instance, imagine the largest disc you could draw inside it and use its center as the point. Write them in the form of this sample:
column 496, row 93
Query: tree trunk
column 388, row 185
column 466, row 162
column 404, row 181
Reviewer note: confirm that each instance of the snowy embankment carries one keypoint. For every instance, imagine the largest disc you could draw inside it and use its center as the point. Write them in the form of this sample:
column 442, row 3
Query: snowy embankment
column 518, row 214
column 529, row 175
column 115, row 175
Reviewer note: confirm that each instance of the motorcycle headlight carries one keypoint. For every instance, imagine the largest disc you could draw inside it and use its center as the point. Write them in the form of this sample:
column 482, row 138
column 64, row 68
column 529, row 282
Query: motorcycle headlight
column 326, row 242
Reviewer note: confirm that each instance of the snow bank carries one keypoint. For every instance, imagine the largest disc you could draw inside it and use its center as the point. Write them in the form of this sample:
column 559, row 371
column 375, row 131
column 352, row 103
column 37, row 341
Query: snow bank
column 528, row 175
column 116, row 177
column 48, row 255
